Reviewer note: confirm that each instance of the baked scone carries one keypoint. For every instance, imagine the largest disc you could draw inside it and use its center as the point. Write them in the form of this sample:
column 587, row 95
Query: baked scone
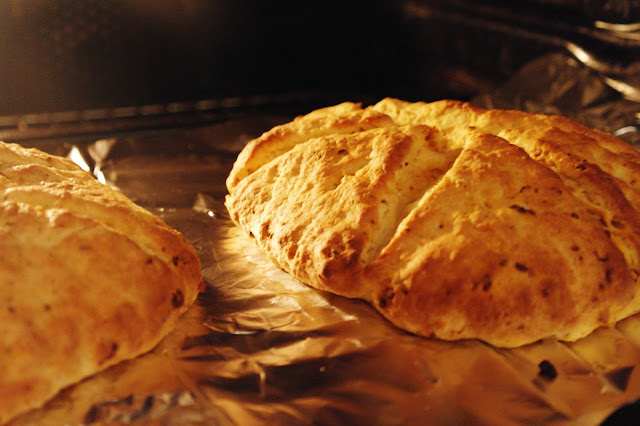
column 453, row 221
column 87, row 278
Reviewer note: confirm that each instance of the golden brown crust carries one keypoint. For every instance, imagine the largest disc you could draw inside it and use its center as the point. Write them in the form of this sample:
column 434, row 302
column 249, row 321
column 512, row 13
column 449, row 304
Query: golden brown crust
column 345, row 118
column 454, row 221
column 499, row 251
column 87, row 278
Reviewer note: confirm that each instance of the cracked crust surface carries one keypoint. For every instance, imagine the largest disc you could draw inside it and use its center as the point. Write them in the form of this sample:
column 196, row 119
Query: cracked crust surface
column 87, row 278
column 453, row 221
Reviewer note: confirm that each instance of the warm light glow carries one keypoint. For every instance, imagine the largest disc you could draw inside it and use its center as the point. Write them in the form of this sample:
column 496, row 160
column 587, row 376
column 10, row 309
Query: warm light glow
column 100, row 176
column 76, row 156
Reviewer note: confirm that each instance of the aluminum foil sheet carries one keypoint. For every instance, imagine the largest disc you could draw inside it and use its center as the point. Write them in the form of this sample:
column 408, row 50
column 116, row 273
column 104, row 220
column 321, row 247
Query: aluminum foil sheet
column 559, row 84
column 258, row 347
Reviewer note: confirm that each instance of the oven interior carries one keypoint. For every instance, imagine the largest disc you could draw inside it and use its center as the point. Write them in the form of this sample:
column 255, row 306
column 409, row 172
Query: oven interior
column 179, row 73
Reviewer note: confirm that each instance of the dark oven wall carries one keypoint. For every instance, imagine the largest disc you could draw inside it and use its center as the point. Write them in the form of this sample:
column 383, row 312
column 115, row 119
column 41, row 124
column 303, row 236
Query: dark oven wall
column 60, row 56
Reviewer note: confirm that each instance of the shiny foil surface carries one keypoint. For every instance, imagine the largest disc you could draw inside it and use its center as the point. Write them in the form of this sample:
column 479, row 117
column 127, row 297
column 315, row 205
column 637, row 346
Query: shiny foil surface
column 258, row 347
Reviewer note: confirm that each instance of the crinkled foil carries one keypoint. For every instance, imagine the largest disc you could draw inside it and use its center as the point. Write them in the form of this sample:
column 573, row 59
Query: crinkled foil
column 558, row 84
column 258, row 347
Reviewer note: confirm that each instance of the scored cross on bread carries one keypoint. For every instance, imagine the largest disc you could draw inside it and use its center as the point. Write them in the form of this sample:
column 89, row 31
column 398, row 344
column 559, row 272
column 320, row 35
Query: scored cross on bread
column 453, row 221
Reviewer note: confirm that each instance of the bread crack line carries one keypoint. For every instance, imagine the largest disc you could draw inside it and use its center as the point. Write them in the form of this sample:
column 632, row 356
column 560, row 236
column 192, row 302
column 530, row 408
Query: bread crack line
column 449, row 230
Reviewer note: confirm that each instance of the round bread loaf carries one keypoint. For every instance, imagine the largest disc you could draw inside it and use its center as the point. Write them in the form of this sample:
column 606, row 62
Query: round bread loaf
column 453, row 221
column 87, row 278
